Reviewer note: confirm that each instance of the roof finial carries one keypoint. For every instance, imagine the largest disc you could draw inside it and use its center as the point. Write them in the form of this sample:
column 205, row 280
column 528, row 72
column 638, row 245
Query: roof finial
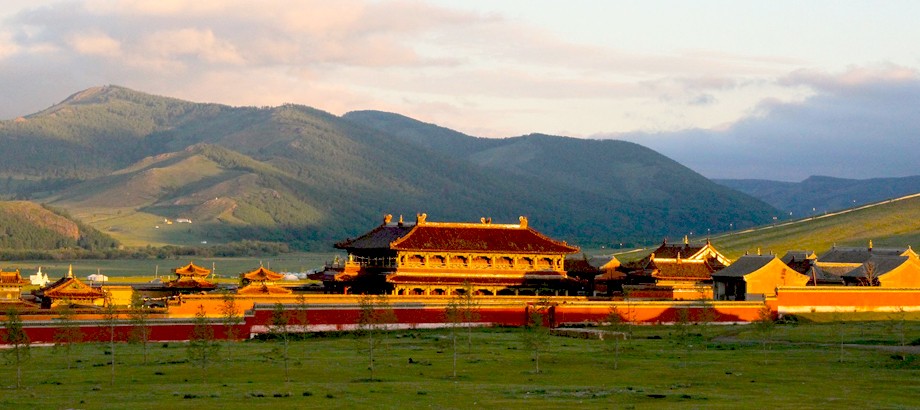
column 758, row 251
column 870, row 245
column 523, row 220
column 686, row 240
column 70, row 271
column 420, row 218
column 400, row 220
column 387, row 218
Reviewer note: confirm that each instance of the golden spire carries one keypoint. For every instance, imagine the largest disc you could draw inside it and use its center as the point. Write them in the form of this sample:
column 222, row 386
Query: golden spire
column 686, row 240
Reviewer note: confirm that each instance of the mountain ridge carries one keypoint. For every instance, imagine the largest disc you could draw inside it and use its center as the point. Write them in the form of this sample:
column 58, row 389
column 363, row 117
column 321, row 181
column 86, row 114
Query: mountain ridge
column 301, row 175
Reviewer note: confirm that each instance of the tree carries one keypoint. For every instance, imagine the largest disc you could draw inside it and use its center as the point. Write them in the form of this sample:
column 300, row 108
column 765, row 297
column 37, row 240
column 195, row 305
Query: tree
column 870, row 275
column 469, row 313
column 230, row 318
column 67, row 334
column 535, row 335
column 140, row 323
column 765, row 324
column 616, row 328
column 898, row 326
column 453, row 317
column 373, row 321
column 110, row 319
column 302, row 319
column 18, row 341
column 278, row 330
column 201, row 344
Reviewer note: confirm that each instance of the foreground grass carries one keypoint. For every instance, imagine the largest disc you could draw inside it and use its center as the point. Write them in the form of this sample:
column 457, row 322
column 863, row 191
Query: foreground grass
column 659, row 367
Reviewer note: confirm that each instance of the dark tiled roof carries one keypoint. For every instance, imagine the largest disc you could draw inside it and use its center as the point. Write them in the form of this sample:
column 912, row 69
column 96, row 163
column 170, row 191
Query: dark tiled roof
column 857, row 255
column 667, row 250
column 479, row 238
column 682, row 270
column 880, row 264
column 378, row 238
column 745, row 265
column 798, row 256
column 821, row 276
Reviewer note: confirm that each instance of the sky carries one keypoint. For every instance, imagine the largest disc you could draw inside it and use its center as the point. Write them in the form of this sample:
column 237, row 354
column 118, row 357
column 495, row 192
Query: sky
column 769, row 90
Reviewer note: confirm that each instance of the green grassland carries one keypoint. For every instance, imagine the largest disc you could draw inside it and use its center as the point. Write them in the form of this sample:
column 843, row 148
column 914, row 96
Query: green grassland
column 695, row 366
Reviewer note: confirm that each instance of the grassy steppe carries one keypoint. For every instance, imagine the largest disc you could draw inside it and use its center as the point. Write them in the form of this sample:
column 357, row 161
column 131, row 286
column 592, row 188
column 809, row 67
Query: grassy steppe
column 661, row 366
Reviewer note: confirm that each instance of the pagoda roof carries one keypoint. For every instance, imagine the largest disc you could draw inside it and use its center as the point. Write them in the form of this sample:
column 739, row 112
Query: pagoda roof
column 191, row 270
column 261, row 275
column 69, row 287
column 263, row 289
column 687, row 251
column 12, row 278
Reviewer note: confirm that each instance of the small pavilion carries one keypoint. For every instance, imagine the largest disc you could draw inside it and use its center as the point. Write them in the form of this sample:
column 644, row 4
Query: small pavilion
column 191, row 278
column 262, row 282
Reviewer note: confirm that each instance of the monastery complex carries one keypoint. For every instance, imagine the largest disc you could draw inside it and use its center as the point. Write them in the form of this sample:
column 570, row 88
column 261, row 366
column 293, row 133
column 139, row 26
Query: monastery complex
column 506, row 267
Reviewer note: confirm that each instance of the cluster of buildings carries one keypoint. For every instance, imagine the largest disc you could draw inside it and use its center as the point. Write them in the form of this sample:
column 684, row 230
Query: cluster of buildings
column 189, row 279
column 425, row 258
column 442, row 258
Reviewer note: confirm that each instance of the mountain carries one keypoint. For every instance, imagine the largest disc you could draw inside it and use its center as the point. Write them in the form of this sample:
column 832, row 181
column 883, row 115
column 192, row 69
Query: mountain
column 820, row 194
column 134, row 164
column 30, row 226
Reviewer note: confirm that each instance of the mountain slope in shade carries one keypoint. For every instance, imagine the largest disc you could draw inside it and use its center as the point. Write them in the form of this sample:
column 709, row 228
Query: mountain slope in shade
column 818, row 194
column 129, row 162
column 28, row 225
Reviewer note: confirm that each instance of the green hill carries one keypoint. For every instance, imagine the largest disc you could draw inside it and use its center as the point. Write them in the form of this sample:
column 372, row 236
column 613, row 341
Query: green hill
column 819, row 194
column 129, row 163
column 29, row 226
column 893, row 223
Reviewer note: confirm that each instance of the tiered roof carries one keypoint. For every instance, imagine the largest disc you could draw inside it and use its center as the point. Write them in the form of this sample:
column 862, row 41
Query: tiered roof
column 457, row 237
column 260, row 283
column 191, row 276
column 481, row 237
column 262, row 275
column 192, row 270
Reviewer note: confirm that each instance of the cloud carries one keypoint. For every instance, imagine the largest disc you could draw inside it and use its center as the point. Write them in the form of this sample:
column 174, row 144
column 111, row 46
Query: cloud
column 404, row 55
column 862, row 123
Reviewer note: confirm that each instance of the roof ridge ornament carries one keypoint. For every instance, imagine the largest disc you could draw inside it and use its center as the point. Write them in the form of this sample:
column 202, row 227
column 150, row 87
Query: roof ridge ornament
column 523, row 220
column 387, row 218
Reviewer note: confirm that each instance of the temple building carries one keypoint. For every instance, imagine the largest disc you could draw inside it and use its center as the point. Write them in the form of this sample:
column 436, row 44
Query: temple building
column 886, row 271
column 836, row 265
column 69, row 290
column 190, row 278
column 685, row 269
column 261, row 282
column 443, row 258
column 11, row 284
column 754, row 277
